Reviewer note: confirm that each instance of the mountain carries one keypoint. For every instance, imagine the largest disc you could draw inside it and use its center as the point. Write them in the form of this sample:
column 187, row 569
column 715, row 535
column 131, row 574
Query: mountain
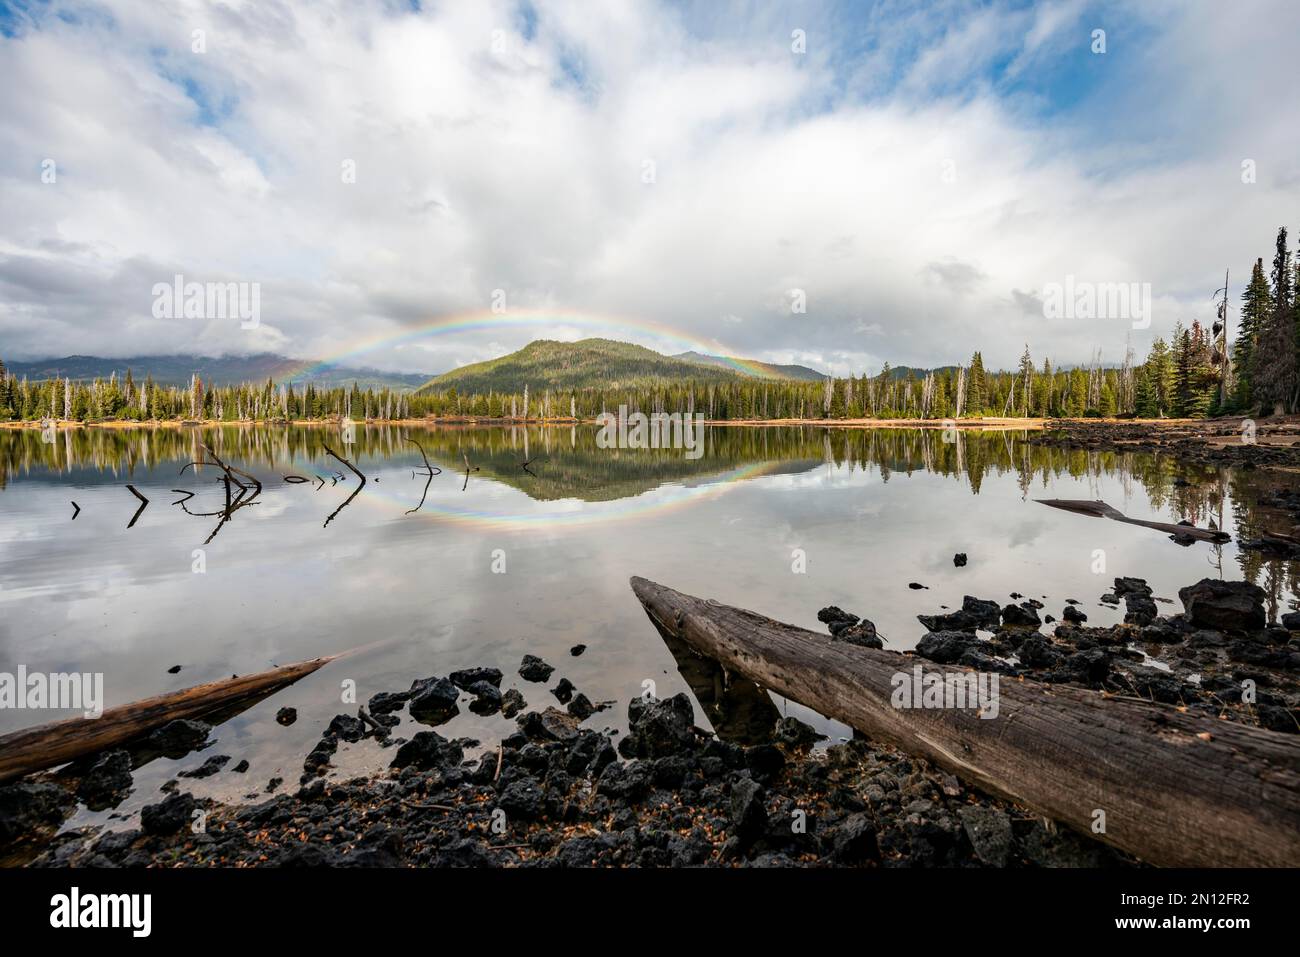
column 585, row 364
column 765, row 369
column 222, row 370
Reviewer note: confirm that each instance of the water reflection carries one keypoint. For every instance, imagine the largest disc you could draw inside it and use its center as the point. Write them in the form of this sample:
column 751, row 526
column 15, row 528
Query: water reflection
column 462, row 547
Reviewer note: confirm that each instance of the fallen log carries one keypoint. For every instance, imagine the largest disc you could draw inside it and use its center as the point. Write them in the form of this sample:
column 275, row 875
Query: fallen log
column 58, row 742
column 1175, row 789
column 1102, row 510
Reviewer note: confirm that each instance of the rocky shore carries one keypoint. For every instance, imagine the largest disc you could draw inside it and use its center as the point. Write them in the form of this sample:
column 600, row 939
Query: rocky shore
column 556, row 793
column 1234, row 441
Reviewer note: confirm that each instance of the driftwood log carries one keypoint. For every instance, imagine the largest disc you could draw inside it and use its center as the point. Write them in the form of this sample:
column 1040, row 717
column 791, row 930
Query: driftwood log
column 49, row 745
column 1175, row 789
column 1102, row 510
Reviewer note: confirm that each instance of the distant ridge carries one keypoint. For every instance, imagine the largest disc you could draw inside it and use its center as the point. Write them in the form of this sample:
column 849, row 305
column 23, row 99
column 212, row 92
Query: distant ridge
column 600, row 363
column 800, row 373
column 219, row 370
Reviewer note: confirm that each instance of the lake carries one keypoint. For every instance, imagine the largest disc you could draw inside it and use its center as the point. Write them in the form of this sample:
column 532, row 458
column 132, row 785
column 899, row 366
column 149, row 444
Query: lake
column 451, row 570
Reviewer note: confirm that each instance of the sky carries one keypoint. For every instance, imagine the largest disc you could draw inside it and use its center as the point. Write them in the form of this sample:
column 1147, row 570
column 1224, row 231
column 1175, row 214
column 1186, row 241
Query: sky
column 415, row 186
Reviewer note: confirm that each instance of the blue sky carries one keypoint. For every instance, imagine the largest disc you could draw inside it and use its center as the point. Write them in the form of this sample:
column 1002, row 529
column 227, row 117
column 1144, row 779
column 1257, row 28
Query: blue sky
column 921, row 172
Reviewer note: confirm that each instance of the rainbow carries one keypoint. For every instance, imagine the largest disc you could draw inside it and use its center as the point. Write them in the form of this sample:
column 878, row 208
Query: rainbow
column 606, row 325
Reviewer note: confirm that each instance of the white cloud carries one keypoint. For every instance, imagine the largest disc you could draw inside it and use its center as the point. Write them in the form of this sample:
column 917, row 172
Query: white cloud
column 522, row 170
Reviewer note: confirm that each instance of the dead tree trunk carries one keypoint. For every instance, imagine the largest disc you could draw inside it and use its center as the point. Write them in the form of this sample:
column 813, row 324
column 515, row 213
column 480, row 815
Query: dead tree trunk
column 1175, row 789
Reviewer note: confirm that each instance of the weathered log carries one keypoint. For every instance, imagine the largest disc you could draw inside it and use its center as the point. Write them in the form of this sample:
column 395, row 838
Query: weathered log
column 58, row 742
column 1102, row 510
column 1175, row 789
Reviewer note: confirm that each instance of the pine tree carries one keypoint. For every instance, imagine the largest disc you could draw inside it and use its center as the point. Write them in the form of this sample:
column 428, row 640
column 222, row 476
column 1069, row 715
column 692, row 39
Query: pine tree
column 1256, row 306
column 977, row 386
column 1275, row 376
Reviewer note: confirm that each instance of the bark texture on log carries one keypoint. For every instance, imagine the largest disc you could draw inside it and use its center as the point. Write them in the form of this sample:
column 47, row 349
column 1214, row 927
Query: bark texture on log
column 1177, row 789
column 49, row 745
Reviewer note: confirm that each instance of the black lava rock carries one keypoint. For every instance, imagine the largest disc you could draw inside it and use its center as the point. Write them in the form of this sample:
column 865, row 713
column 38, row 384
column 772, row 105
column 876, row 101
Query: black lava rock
column 386, row 702
column 472, row 676
column 169, row 816
column 1226, row 606
column 533, row 668
column 107, row 781
column 208, row 768
column 563, row 691
column 512, row 702
column 433, row 701
column 428, row 750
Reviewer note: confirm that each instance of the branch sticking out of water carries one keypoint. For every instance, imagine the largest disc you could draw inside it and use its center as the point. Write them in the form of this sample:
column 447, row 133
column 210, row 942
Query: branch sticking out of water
column 348, row 501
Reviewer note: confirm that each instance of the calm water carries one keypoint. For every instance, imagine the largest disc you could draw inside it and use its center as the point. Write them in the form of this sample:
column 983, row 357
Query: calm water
column 870, row 511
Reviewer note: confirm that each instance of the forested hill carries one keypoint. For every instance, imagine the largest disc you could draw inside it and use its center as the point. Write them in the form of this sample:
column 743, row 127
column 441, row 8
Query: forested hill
column 597, row 364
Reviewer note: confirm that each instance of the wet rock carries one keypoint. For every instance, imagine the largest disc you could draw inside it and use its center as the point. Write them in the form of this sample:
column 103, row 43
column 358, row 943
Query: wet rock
column 386, row 702
column 975, row 613
column 240, row 768
column 658, row 728
column 794, row 733
column 318, row 759
column 467, row 677
column 1023, row 615
column 347, row 728
column 1131, row 586
column 286, row 716
column 28, row 805
column 512, row 702
column 550, row 725
column 174, row 670
column 563, row 691
column 959, row 560
column 1226, row 606
column 916, row 586
column 989, row 831
column 433, row 701
column 522, row 800
column 1089, row 666
column 834, row 615
column 577, row 650
column 1161, row 632
column 533, row 668
column 854, row 840
column 945, row 647
column 487, row 698
column 1074, row 615
column 581, row 707
column 1139, row 610
column 169, row 816
column 1037, row 652
column 628, row 782
column 426, row 751
column 208, row 768
column 1291, row 621
column 107, row 781
column 178, row 738
column 748, row 814
column 764, row 760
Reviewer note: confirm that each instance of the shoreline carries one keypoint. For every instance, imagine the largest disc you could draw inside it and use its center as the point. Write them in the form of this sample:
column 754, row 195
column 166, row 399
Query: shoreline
column 986, row 423
column 556, row 793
